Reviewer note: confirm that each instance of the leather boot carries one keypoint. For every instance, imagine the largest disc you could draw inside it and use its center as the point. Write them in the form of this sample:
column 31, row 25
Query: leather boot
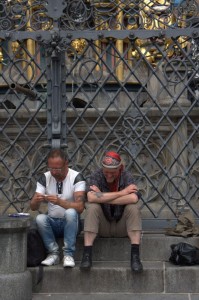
column 136, row 265
column 86, row 262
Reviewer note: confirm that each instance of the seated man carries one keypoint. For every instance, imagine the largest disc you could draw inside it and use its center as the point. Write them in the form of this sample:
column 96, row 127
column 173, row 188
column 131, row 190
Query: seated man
column 112, row 209
column 64, row 191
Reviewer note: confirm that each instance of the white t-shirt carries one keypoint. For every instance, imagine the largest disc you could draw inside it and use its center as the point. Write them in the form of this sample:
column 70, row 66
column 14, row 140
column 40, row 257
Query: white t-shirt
column 47, row 185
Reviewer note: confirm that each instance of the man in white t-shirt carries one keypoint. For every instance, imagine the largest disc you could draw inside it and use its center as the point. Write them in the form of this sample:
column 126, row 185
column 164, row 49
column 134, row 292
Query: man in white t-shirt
column 64, row 191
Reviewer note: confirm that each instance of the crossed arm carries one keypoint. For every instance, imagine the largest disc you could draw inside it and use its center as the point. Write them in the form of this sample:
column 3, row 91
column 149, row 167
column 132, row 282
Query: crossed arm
column 77, row 204
column 126, row 196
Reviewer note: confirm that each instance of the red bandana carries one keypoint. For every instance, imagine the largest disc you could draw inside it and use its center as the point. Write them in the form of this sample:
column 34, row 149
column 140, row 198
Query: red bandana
column 111, row 160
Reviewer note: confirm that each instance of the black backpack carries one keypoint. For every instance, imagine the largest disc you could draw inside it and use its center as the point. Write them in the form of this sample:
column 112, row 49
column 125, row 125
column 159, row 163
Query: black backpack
column 184, row 254
column 36, row 251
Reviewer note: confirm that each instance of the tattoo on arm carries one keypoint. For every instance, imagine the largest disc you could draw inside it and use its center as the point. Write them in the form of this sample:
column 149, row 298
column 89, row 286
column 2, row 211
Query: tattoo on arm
column 99, row 194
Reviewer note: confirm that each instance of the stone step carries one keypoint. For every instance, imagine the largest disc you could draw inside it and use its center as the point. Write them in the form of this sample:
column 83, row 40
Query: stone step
column 111, row 271
column 104, row 277
column 116, row 277
column 115, row 296
column 154, row 247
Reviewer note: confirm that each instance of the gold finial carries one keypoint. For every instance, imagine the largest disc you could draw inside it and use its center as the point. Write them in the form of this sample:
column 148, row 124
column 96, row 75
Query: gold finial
column 15, row 47
column 16, row 50
column 1, row 56
column 79, row 45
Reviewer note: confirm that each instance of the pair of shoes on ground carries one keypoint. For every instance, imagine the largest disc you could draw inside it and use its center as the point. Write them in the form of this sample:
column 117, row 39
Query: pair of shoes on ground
column 136, row 265
column 86, row 263
column 53, row 259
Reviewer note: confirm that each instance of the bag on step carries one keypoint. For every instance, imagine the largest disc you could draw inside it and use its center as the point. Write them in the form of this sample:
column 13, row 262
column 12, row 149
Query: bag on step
column 184, row 254
column 36, row 251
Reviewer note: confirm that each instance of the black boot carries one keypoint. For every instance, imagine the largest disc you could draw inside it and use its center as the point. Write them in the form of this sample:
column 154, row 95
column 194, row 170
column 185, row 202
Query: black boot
column 136, row 265
column 86, row 262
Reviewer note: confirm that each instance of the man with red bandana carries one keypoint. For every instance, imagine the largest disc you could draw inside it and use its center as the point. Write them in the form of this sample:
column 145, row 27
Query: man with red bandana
column 112, row 209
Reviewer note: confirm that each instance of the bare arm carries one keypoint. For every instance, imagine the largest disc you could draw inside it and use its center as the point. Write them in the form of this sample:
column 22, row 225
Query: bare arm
column 128, row 199
column 125, row 196
column 36, row 201
column 77, row 204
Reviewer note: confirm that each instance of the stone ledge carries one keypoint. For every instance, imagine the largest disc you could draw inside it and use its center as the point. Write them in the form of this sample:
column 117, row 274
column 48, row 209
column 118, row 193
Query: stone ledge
column 103, row 277
column 154, row 247
column 115, row 296
column 181, row 279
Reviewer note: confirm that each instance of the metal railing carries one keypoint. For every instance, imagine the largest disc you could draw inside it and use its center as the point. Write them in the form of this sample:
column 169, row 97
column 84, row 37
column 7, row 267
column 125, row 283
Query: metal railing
column 90, row 76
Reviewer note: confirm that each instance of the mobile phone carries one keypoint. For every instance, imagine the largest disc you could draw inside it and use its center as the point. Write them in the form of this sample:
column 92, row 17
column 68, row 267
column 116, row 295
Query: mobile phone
column 19, row 215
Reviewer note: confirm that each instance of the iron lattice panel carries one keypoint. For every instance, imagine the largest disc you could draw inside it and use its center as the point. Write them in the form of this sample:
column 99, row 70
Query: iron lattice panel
column 149, row 115
column 23, row 122
column 128, row 76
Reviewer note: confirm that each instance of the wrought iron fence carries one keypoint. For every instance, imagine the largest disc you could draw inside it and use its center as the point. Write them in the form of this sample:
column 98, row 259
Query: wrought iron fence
column 89, row 76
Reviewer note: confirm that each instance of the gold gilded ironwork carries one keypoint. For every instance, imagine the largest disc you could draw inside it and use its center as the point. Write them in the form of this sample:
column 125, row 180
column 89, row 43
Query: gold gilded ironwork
column 147, row 14
column 148, row 49
column 1, row 59
column 98, row 46
column 119, row 15
column 155, row 15
column 16, row 50
column 30, row 46
column 120, row 47
column 79, row 45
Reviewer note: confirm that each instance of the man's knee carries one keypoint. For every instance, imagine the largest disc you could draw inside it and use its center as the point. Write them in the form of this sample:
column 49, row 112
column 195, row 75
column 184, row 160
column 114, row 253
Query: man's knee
column 93, row 208
column 92, row 216
column 133, row 217
column 71, row 214
column 133, row 209
column 41, row 219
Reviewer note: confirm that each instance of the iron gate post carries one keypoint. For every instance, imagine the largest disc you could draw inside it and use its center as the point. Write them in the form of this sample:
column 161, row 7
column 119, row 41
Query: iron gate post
column 56, row 105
